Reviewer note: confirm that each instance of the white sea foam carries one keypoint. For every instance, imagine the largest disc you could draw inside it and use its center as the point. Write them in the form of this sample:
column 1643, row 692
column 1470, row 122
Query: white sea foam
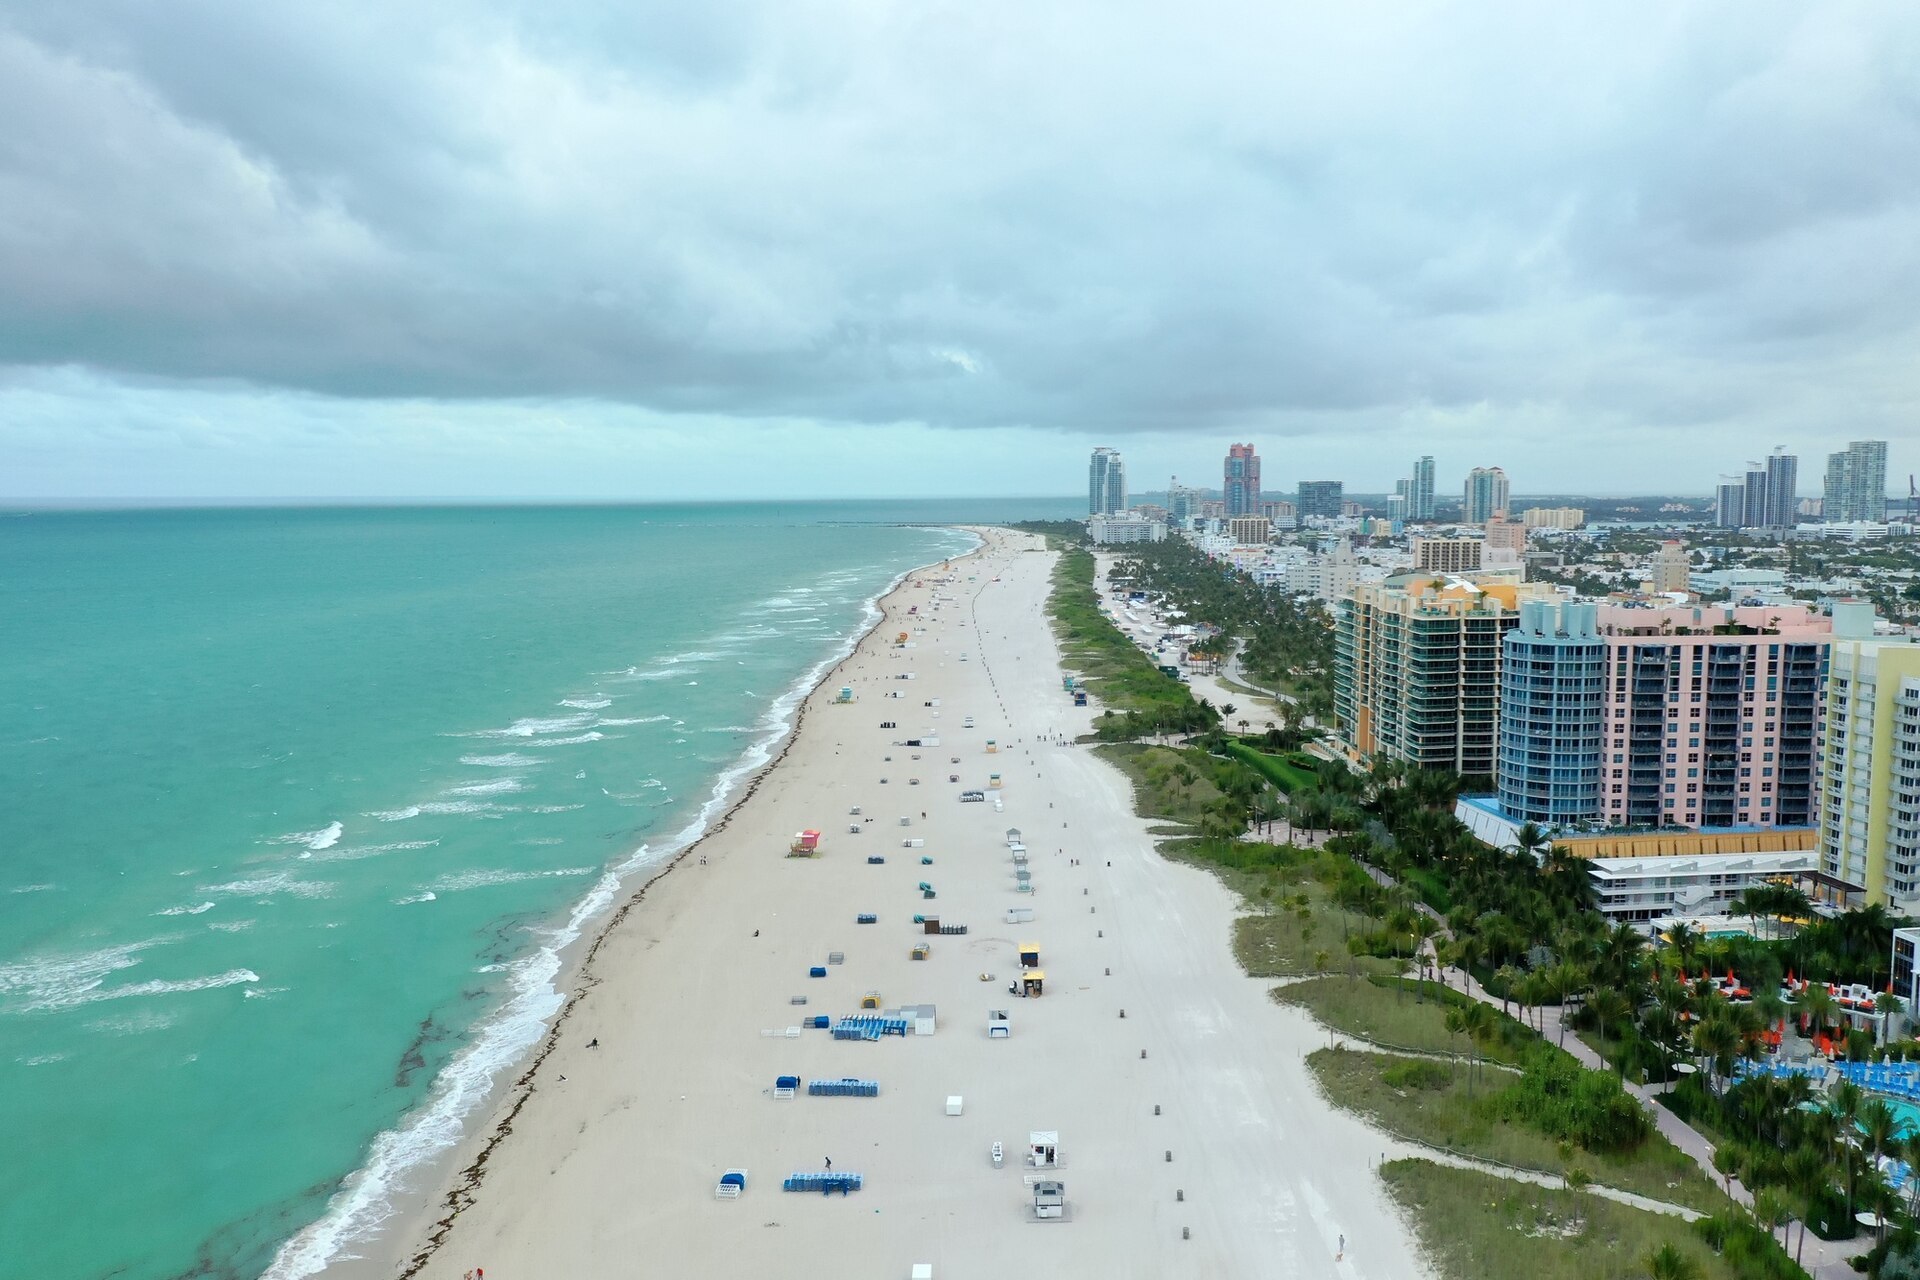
column 32, row 888
column 134, row 1024
column 396, row 815
column 531, row 726
column 186, row 911
column 491, row 787
column 262, row 993
column 66, row 982
column 41, row 1059
column 325, row 838
column 269, row 886
column 230, row 926
column 439, row 808
column 554, row 808
column 730, row 728
column 511, row 760
column 587, row 704
column 622, row 723
column 485, row 879
column 410, row 899
column 363, row 1202
column 354, row 853
column 573, row 741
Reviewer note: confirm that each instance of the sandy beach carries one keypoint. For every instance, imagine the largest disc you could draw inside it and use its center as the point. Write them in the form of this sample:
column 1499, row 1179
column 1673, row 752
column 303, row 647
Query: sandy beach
column 603, row 1160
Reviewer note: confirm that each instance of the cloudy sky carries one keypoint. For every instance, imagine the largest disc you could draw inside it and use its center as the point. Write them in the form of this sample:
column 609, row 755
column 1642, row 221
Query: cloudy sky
column 568, row 248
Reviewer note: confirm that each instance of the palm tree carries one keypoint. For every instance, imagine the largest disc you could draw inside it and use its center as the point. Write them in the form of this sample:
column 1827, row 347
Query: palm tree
column 1609, row 1006
column 1887, row 1004
column 1668, row 1263
column 1819, row 1007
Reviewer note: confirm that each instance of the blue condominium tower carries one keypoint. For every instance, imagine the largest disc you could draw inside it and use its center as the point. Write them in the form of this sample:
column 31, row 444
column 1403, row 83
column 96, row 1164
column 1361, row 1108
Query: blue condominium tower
column 1553, row 688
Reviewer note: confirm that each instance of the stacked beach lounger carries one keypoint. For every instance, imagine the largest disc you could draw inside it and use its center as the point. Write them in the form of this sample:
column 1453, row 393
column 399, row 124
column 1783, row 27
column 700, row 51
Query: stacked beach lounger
column 845, row 1088
column 825, row 1183
column 868, row 1028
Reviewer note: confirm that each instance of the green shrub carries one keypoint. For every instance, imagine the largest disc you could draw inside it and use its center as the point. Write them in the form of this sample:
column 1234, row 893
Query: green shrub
column 1562, row 1099
column 1417, row 1073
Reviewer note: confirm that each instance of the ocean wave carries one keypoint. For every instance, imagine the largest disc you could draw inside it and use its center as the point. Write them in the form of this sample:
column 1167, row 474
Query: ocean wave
column 622, row 723
column 41, row 1059
column 230, row 926
column 410, row 899
column 491, row 787
column 269, row 886
column 438, row 809
column 263, row 993
column 554, row 808
column 487, row 879
column 134, row 1023
column 730, row 728
column 511, row 760
column 587, row 704
column 325, row 838
column 33, row 888
column 575, row 740
column 363, row 1202
column 66, row 982
column 532, row 726
column 186, row 911
column 354, row 853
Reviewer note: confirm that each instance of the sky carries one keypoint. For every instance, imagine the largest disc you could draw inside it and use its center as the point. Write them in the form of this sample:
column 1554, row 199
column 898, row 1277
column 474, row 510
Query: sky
column 893, row 248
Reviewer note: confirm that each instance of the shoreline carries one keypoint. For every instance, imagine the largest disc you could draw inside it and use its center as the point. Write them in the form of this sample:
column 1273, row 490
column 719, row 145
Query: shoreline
column 446, row 1176
column 661, row 1082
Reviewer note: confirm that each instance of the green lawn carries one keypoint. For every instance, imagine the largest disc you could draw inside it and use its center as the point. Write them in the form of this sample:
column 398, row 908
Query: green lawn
column 1436, row 1104
column 1394, row 1014
column 1294, row 773
column 1473, row 1226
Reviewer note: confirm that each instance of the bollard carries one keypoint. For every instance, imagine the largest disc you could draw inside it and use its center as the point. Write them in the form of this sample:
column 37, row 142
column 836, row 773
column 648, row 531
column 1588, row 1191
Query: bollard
column 1169, row 1157
column 1186, row 1233
column 1143, row 1053
column 1083, row 893
column 1123, row 1013
column 1156, row 1108
column 1109, row 971
column 1180, row 1197
column 1099, row 933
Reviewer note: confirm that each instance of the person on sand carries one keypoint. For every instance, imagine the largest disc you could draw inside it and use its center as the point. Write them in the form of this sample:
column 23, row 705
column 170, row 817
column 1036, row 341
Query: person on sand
column 829, row 1164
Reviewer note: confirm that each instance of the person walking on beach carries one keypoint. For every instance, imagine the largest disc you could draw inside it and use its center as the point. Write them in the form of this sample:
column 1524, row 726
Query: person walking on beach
column 829, row 1164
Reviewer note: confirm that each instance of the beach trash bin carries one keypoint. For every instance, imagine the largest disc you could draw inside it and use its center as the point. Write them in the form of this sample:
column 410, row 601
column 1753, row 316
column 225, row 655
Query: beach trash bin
column 954, row 1104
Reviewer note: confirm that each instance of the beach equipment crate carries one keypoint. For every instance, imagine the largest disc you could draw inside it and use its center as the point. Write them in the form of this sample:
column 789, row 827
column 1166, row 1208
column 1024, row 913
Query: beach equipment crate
column 1029, row 955
column 871, row 1000
column 819, row 1022
column 925, row 861
column 993, row 782
column 920, row 952
column 866, row 917
column 785, row 1086
column 955, row 1104
column 836, row 957
column 993, row 747
column 929, row 924
column 825, row 1183
column 817, row 971
column 731, row 1184
column 876, row 860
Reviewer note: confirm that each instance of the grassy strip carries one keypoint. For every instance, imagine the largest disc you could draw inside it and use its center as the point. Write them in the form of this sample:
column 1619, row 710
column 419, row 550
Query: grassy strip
column 1295, row 925
column 1138, row 698
column 1295, row 774
column 1438, row 1104
column 1174, row 783
column 1405, row 1015
column 1473, row 1226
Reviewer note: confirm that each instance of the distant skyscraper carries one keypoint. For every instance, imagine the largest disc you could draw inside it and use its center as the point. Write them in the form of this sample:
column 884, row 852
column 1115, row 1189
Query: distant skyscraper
column 1753, row 503
column 1106, row 483
column 1783, row 483
column 1857, row 483
column 1321, row 498
column 1181, row 502
column 1670, row 567
column 1241, row 486
column 1420, row 490
column 1485, row 493
column 1729, row 504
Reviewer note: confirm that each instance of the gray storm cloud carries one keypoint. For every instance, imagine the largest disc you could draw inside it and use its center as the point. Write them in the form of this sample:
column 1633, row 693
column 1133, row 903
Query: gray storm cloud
column 1111, row 217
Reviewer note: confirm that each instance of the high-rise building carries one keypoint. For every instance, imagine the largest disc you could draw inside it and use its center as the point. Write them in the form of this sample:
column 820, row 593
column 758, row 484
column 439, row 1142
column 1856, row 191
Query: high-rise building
column 1321, row 498
column 1420, row 489
column 1486, row 493
column 1783, row 483
column 1396, row 506
column 1870, row 775
column 1446, row 555
column 1670, row 568
column 1250, row 531
column 1242, row 480
column 1417, row 669
column 1753, row 497
column 1106, row 483
column 1713, row 714
column 1553, row 689
column 1553, row 517
column 1506, row 535
column 1729, row 505
column 1182, row 502
column 1856, row 487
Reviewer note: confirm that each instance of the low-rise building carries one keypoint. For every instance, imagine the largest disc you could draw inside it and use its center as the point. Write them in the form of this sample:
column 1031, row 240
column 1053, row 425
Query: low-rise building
column 1553, row 517
column 1446, row 555
column 1127, row 527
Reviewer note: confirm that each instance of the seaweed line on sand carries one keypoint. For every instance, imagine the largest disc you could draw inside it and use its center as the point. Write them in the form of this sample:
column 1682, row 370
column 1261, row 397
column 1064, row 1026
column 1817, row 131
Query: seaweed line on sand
column 466, row 1184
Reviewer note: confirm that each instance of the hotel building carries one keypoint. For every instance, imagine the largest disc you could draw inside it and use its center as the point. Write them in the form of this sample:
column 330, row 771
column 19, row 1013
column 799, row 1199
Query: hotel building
column 1870, row 779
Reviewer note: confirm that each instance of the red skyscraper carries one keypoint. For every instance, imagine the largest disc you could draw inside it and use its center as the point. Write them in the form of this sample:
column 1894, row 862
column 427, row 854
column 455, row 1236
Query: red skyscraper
column 1242, row 486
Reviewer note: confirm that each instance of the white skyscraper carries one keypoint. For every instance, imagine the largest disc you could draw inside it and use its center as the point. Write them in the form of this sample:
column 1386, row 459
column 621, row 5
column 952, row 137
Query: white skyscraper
column 1106, row 483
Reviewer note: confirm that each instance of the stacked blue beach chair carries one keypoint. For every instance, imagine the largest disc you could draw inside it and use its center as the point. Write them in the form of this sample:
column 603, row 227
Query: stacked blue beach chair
column 825, row 1183
column 868, row 1027
column 845, row 1088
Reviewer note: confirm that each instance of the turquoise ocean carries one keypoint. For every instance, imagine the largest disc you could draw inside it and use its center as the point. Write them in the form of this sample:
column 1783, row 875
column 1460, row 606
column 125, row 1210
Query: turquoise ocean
column 299, row 807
